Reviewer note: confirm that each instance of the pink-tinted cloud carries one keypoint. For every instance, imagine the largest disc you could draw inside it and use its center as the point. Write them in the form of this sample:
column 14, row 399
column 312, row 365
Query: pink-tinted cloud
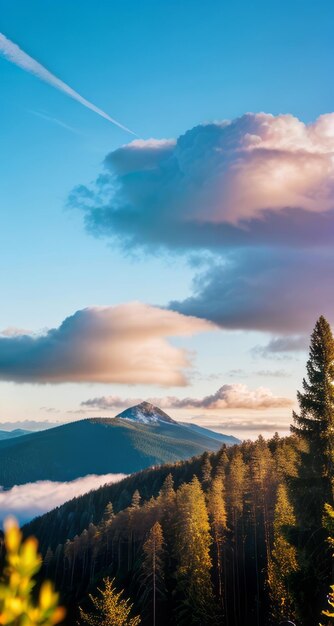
column 126, row 344
column 219, row 184
column 256, row 192
column 236, row 396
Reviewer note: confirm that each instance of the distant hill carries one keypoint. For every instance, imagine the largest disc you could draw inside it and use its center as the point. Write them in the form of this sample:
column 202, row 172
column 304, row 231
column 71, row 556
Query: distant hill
column 123, row 444
column 230, row 440
column 11, row 434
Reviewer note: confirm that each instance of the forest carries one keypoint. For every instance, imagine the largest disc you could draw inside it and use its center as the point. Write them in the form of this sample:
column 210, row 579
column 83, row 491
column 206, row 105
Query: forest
column 239, row 536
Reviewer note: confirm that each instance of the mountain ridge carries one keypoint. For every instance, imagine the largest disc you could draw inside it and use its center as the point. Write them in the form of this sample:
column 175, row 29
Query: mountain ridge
column 101, row 445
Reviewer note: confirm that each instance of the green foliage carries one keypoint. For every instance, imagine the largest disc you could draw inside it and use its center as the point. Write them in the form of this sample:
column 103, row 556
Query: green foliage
column 153, row 575
column 192, row 553
column 110, row 608
column 284, row 557
column 315, row 422
column 218, row 533
column 233, row 507
column 313, row 487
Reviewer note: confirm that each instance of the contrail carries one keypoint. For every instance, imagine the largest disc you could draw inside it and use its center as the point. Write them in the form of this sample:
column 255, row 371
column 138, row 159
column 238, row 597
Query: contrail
column 13, row 53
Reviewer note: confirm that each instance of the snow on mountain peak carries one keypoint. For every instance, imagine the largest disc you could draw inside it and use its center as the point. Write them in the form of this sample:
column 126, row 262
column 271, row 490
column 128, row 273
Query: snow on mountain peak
column 146, row 413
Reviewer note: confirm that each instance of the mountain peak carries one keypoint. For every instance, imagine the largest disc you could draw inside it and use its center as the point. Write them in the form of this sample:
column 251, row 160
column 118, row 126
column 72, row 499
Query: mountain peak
column 146, row 412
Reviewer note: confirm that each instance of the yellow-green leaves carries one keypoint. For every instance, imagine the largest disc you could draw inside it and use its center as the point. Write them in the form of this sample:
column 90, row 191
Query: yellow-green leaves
column 17, row 606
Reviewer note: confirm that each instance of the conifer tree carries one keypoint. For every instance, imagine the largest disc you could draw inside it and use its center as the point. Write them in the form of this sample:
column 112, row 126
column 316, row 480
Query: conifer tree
column 222, row 462
column 314, row 425
column 217, row 515
column 236, row 491
column 206, row 470
column 284, row 557
column 110, row 608
column 136, row 498
column 108, row 515
column 166, row 503
column 192, row 552
column 103, row 530
column 153, row 568
column 315, row 422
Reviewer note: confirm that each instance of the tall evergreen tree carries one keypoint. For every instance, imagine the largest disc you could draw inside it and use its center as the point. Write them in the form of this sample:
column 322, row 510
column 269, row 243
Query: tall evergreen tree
column 192, row 551
column 314, row 425
column 136, row 499
column 153, row 586
column 284, row 557
column 206, row 470
column 217, row 516
column 315, row 422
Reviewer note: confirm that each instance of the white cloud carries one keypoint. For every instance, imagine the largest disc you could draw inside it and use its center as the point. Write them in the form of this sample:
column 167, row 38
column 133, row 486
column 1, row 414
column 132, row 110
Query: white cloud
column 256, row 192
column 235, row 396
column 32, row 499
column 126, row 344
column 219, row 183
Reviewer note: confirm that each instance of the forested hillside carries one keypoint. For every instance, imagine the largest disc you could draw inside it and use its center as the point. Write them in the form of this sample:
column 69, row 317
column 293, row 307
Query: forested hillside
column 100, row 446
column 227, row 500
column 240, row 536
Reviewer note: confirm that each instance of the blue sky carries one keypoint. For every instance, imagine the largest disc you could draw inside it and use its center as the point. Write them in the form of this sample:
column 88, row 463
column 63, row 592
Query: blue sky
column 159, row 68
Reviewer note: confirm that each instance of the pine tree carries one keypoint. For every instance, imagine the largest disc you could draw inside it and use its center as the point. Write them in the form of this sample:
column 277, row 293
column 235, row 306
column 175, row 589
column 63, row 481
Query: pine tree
column 217, row 515
column 153, row 568
column 108, row 516
column 104, row 530
column 192, row 552
column 136, row 498
column 236, row 491
column 110, row 608
column 314, row 426
column 206, row 470
column 284, row 557
column 315, row 422
column 166, row 503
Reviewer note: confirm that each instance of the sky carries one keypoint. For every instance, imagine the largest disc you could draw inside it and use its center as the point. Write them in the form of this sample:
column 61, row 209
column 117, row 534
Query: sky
column 186, row 263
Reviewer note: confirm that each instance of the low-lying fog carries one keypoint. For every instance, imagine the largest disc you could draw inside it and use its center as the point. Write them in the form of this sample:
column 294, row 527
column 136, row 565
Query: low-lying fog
column 27, row 501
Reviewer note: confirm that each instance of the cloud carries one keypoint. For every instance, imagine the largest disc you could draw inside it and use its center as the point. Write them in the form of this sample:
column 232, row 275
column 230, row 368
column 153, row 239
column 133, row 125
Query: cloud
column 266, row 289
column 249, row 426
column 236, row 396
column 29, row 425
column 32, row 499
column 14, row 54
column 240, row 373
column 126, row 344
column 280, row 347
column 250, row 201
column 106, row 403
column 54, row 120
column 273, row 373
column 252, row 180
column 12, row 331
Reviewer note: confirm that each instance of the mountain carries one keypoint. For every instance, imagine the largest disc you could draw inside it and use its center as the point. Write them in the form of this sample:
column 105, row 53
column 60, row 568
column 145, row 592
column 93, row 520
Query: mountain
column 87, row 539
column 146, row 413
column 10, row 434
column 230, row 440
column 123, row 444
